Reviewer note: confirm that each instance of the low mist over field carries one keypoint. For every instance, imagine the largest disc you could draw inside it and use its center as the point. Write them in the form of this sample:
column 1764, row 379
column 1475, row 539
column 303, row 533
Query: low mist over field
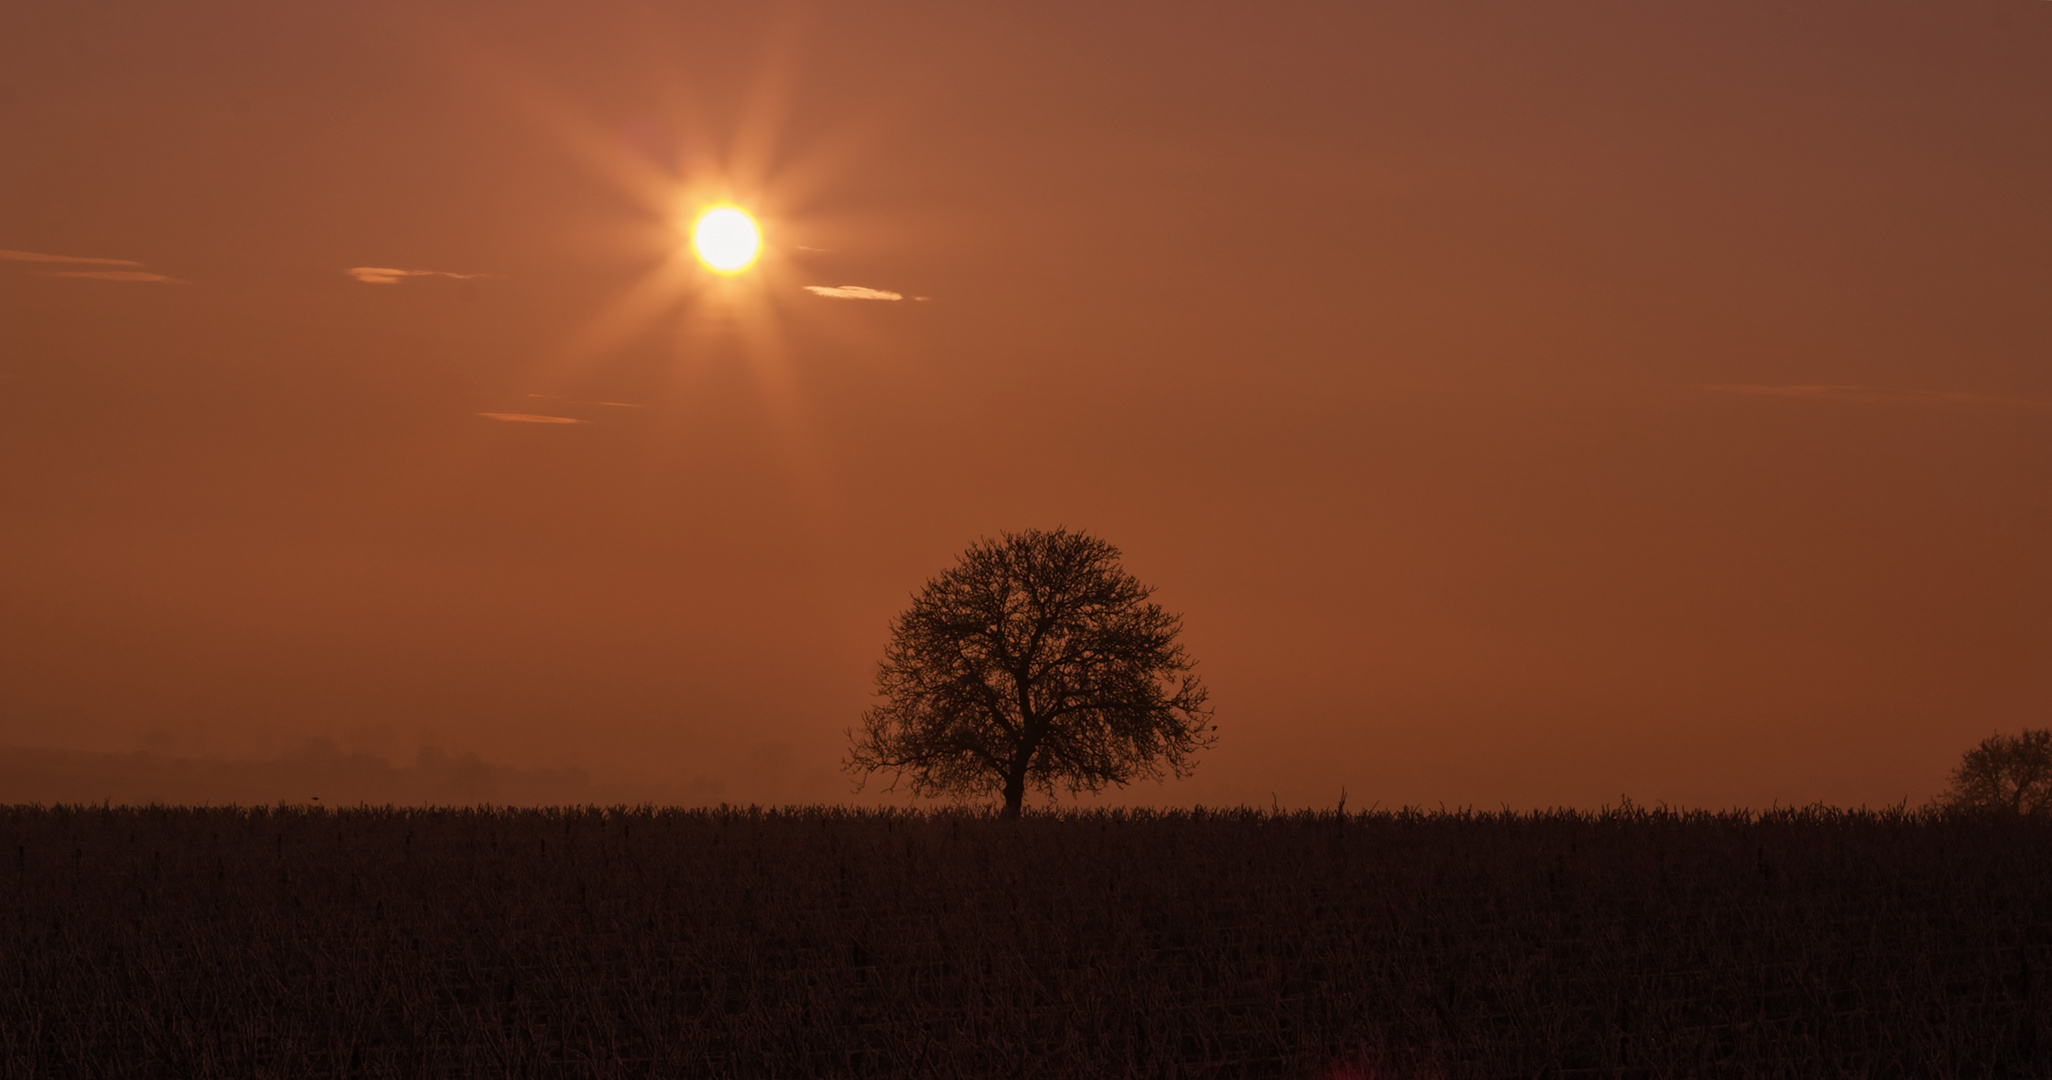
column 320, row 774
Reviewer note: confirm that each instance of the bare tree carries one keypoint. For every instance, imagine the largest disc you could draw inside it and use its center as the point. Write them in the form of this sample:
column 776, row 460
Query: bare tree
column 2011, row 773
column 1036, row 661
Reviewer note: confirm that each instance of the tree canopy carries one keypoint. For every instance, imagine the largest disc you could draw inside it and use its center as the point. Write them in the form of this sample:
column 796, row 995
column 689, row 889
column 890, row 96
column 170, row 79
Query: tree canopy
column 1035, row 662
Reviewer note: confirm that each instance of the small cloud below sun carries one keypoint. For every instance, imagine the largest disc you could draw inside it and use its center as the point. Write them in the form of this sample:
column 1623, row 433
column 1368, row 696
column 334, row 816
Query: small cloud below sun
column 385, row 275
column 854, row 292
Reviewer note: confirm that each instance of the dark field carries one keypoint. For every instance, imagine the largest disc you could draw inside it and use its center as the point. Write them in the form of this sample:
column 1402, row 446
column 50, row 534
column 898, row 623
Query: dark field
column 288, row 942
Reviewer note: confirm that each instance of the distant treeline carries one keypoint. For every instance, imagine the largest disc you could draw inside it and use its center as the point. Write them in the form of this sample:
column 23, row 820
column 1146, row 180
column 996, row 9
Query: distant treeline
column 319, row 772
column 183, row 942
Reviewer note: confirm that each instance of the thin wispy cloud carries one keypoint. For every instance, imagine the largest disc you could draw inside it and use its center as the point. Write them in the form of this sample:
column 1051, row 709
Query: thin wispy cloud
column 1872, row 394
column 116, row 275
column 574, row 401
column 133, row 276
column 853, row 292
column 76, row 260
column 530, row 418
column 386, row 275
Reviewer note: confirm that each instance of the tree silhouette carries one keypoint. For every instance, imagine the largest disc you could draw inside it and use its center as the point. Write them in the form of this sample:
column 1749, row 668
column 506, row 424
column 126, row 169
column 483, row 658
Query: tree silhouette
column 1036, row 661
column 2011, row 773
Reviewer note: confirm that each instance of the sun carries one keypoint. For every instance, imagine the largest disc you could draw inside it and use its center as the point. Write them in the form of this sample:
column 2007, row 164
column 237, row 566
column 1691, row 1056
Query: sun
column 726, row 239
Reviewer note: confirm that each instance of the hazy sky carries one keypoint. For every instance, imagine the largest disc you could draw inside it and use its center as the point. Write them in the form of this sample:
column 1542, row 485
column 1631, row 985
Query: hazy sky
column 1523, row 403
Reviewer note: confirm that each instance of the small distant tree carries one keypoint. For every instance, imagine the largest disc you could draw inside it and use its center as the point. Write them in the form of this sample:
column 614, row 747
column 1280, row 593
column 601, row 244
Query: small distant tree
column 1035, row 662
column 2011, row 773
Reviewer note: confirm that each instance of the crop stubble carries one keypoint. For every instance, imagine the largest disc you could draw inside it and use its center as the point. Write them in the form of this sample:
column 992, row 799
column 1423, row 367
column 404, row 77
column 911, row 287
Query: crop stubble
column 281, row 942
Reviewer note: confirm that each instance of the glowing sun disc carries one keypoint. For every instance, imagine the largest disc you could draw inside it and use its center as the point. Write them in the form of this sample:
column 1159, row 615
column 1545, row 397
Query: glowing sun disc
column 726, row 239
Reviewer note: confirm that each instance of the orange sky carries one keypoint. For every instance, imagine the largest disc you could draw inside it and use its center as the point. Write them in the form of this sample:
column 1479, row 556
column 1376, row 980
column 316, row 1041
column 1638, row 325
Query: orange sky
column 1525, row 404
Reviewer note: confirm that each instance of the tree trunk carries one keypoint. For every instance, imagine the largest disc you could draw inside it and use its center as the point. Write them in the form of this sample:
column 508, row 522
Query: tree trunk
column 1015, row 792
column 1015, row 781
column 1030, row 733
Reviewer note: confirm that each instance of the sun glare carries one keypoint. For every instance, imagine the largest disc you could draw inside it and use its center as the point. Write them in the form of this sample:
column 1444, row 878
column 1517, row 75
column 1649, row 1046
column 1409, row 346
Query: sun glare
column 726, row 239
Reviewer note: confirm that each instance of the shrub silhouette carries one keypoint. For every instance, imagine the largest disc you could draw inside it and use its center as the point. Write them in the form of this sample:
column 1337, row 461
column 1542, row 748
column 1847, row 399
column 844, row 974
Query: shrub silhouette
column 2005, row 773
